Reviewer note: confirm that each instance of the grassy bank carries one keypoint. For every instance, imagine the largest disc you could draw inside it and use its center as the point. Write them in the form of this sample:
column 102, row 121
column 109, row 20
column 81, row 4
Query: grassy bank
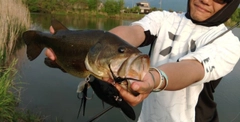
column 9, row 98
column 14, row 19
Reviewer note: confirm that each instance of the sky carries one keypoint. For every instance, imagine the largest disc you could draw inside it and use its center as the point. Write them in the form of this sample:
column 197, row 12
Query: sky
column 176, row 5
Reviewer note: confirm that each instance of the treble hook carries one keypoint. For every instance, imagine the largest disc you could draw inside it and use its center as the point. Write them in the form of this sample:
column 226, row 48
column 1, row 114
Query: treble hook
column 84, row 96
column 119, row 80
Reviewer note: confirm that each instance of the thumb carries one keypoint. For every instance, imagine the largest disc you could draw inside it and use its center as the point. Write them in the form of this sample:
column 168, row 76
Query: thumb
column 142, row 87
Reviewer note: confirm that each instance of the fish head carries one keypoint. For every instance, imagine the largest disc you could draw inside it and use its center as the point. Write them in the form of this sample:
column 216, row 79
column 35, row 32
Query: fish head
column 112, row 57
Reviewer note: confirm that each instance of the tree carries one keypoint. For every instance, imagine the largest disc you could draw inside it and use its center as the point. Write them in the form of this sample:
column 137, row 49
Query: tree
column 32, row 5
column 236, row 15
column 41, row 5
column 136, row 9
column 113, row 6
column 93, row 4
column 154, row 9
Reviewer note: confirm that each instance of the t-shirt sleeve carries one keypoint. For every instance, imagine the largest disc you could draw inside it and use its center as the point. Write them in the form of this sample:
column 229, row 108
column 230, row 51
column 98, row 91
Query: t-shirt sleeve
column 218, row 58
column 151, row 24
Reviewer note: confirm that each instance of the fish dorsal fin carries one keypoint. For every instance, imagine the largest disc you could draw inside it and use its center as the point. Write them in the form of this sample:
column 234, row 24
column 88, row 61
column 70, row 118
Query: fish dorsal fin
column 57, row 26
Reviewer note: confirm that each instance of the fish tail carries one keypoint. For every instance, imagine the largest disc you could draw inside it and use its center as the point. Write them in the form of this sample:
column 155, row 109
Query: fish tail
column 32, row 39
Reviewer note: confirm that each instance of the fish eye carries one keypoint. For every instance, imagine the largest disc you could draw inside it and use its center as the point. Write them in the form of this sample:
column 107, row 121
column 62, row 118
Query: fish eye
column 121, row 49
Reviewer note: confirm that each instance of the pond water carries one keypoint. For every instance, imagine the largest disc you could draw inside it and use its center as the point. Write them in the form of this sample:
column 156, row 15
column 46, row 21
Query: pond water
column 52, row 93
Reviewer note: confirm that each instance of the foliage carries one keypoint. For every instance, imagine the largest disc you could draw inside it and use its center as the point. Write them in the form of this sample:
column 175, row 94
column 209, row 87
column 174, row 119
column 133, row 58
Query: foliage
column 14, row 18
column 7, row 98
column 113, row 6
column 32, row 5
column 135, row 9
column 42, row 5
column 52, row 6
column 154, row 9
column 93, row 4
column 69, row 6
column 236, row 15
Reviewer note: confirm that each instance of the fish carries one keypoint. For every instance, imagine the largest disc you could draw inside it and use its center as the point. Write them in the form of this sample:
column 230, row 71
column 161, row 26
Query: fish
column 82, row 53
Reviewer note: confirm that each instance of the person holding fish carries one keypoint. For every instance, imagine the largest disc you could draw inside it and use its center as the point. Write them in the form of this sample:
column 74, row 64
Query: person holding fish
column 190, row 53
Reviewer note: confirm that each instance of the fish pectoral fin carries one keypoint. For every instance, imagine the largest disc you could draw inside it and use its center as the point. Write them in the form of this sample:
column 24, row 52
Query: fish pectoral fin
column 53, row 64
column 127, row 109
column 57, row 26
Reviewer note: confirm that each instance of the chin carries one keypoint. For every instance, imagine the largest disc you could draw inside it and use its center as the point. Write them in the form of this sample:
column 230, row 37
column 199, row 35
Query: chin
column 198, row 17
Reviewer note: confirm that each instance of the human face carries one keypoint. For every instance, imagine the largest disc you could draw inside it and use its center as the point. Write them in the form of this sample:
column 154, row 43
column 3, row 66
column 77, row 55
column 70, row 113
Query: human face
column 201, row 10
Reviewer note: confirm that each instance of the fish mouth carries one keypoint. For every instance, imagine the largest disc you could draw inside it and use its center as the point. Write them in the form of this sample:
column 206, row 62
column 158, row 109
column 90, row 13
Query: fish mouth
column 124, row 82
column 133, row 69
column 120, row 79
column 124, row 69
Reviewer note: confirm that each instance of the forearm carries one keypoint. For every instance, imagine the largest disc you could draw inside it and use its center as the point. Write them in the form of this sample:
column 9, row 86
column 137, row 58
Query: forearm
column 180, row 74
column 132, row 34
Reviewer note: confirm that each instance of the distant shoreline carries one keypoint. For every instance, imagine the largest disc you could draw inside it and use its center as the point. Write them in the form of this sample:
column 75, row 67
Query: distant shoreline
column 129, row 16
column 132, row 16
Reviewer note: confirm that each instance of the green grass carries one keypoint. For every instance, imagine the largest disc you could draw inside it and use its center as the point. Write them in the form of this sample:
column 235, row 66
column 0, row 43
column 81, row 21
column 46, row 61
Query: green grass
column 9, row 98
column 14, row 18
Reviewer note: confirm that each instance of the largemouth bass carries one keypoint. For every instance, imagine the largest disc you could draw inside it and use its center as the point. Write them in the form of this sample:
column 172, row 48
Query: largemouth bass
column 84, row 52
column 89, row 52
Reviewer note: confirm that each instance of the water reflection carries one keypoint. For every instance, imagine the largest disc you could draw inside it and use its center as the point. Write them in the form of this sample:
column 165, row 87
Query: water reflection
column 53, row 93
column 77, row 21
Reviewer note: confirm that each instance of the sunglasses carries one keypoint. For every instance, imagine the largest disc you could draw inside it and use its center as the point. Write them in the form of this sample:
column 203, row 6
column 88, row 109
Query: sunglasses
column 222, row 1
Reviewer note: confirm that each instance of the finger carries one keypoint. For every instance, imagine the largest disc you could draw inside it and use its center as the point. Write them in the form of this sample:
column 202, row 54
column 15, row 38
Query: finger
column 128, row 97
column 51, row 30
column 143, row 87
column 109, row 80
column 49, row 53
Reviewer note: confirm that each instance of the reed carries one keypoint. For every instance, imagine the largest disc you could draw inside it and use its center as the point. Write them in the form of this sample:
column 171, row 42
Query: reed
column 7, row 98
column 10, row 97
column 14, row 19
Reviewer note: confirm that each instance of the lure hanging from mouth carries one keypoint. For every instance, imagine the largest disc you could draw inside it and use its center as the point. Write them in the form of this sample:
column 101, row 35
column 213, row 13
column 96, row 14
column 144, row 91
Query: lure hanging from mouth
column 107, row 93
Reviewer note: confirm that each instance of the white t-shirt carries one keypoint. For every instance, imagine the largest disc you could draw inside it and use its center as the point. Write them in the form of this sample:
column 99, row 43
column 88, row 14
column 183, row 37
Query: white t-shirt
column 178, row 39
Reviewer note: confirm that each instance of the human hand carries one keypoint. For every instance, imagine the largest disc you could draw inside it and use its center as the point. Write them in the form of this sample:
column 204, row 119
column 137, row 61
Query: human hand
column 49, row 52
column 144, row 88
